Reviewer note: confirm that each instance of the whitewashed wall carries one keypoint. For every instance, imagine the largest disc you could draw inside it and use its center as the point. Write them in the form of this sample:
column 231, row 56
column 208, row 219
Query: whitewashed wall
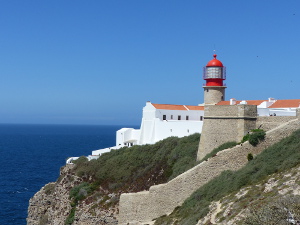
column 278, row 112
column 154, row 128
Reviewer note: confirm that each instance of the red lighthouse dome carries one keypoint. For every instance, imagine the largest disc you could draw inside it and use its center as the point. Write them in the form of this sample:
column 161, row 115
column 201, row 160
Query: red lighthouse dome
column 214, row 72
column 214, row 62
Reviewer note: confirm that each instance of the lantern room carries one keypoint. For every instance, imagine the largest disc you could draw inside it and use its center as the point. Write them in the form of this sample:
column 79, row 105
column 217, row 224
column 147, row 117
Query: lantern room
column 214, row 72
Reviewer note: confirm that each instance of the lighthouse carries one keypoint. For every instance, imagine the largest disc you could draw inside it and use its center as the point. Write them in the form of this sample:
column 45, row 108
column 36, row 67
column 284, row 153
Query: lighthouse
column 214, row 73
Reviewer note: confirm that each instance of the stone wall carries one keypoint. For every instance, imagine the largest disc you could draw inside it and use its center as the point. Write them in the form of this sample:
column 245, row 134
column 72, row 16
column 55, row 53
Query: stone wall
column 225, row 123
column 213, row 94
column 142, row 207
column 269, row 122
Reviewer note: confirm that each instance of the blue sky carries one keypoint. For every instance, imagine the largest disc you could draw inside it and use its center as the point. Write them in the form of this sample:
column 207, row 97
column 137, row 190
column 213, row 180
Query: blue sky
column 98, row 62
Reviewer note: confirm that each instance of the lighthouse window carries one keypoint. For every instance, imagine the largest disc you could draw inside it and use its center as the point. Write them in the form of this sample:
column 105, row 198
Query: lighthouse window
column 179, row 117
column 164, row 117
column 213, row 72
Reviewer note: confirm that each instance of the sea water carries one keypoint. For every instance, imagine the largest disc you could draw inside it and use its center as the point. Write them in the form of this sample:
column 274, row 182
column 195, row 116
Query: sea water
column 31, row 156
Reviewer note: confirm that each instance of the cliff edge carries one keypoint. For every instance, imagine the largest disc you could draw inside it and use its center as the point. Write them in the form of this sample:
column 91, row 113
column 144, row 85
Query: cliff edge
column 52, row 204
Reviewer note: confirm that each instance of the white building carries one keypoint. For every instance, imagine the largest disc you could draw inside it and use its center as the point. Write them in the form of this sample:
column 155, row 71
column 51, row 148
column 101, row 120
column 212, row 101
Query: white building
column 269, row 107
column 161, row 121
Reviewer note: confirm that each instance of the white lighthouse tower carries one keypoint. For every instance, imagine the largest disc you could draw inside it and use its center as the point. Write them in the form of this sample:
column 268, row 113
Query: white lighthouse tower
column 214, row 73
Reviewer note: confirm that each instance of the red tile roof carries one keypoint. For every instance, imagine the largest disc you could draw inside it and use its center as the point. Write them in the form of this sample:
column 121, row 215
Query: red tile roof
column 195, row 107
column 224, row 103
column 169, row 107
column 289, row 103
column 177, row 107
column 249, row 102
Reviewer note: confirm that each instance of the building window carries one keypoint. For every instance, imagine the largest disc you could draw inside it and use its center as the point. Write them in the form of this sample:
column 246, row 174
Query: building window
column 179, row 117
column 201, row 118
column 171, row 117
column 164, row 117
column 187, row 117
column 171, row 130
column 188, row 131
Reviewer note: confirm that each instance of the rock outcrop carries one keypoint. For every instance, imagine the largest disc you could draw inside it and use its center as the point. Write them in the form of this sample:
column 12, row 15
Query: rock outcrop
column 52, row 205
column 232, row 209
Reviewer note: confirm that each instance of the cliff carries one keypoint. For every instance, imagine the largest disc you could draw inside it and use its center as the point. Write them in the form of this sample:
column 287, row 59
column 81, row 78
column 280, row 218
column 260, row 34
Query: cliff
column 251, row 204
column 88, row 192
column 52, row 205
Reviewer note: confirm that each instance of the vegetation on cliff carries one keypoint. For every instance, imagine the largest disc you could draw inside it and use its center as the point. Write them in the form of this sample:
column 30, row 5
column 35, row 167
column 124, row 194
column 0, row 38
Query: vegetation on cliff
column 277, row 158
column 254, row 137
column 139, row 167
column 130, row 170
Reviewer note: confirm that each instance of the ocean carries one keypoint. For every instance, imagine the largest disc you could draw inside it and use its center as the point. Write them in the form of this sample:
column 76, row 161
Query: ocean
column 31, row 156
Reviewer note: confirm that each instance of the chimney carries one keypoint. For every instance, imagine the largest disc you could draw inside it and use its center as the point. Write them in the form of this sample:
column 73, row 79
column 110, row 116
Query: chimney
column 243, row 102
column 272, row 100
column 232, row 101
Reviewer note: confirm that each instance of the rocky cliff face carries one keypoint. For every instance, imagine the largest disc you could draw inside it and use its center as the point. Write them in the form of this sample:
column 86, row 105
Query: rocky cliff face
column 52, row 205
column 260, row 202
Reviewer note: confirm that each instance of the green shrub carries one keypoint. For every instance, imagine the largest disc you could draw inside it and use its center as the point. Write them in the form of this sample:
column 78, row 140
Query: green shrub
column 245, row 138
column 256, row 136
column 249, row 156
column 80, row 160
column 71, row 217
column 80, row 191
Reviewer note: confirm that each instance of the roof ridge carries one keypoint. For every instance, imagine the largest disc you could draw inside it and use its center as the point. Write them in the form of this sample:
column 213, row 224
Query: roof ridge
column 186, row 107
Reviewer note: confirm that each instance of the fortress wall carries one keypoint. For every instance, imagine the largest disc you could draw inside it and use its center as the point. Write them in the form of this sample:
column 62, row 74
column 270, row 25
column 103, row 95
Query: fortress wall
column 269, row 122
column 223, row 124
column 142, row 207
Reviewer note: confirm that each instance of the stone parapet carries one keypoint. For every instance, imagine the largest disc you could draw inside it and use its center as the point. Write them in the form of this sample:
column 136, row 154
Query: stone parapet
column 225, row 123
column 138, row 208
column 234, row 111
column 270, row 122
